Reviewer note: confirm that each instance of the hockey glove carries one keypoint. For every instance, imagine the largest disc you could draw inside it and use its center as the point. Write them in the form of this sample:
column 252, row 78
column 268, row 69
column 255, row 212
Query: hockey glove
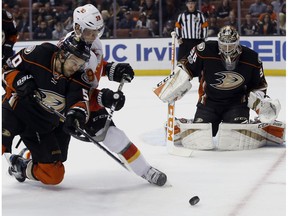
column 107, row 98
column 266, row 108
column 24, row 84
column 74, row 119
column 115, row 71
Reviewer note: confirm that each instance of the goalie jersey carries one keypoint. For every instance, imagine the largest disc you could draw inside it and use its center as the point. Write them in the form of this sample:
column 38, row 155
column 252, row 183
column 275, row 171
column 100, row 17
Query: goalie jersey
column 219, row 86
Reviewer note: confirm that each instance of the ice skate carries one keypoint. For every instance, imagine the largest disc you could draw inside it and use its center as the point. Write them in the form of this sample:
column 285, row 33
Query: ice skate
column 18, row 167
column 155, row 176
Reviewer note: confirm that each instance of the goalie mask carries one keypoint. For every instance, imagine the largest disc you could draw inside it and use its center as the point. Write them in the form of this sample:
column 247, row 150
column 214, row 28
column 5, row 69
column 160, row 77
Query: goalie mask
column 88, row 23
column 230, row 50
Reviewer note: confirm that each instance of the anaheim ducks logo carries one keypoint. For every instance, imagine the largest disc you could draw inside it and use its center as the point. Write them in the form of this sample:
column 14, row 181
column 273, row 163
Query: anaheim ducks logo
column 228, row 80
column 52, row 99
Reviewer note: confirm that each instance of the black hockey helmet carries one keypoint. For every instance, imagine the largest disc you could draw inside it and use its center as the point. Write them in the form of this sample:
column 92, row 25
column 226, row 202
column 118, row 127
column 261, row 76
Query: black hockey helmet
column 74, row 45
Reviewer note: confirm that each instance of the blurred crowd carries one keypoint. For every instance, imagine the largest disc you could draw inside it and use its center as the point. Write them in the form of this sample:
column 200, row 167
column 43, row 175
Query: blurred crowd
column 52, row 19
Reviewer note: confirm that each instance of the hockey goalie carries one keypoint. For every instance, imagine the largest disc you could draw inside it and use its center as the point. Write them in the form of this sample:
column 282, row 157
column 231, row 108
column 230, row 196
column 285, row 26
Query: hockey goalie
column 231, row 83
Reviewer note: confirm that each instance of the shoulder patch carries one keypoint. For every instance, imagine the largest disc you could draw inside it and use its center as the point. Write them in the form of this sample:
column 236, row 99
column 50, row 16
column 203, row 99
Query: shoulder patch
column 29, row 49
column 201, row 46
column 259, row 60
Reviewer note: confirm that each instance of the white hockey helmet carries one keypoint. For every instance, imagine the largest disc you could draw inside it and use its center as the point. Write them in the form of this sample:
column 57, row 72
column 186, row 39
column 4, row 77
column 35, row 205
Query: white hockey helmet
column 88, row 17
column 228, row 43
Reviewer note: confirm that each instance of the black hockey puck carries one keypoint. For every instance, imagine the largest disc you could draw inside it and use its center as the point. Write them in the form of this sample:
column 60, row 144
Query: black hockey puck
column 194, row 200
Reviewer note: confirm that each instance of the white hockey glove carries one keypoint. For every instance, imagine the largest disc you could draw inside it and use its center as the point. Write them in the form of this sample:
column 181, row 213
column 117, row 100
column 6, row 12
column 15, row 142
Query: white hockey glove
column 266, row 108
column 175, row 86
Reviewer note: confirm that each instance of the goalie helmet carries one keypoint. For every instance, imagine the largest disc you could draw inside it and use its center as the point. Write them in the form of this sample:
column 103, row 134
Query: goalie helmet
column 228, row 44
column 88, row 17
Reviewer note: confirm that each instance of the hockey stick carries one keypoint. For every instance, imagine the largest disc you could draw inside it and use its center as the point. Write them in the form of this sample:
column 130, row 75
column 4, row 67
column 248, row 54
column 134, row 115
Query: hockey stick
column 80, row 130
column 171, row 148
column 102, row 136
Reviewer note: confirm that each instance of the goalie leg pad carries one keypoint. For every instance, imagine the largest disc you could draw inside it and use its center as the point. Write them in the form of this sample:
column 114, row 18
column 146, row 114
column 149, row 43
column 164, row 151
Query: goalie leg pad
column 249, row 136
column 197, row 136
column 173, row 87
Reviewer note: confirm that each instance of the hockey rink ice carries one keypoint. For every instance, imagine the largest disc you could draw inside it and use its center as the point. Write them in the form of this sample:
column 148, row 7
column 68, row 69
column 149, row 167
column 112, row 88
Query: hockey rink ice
column 238, row 183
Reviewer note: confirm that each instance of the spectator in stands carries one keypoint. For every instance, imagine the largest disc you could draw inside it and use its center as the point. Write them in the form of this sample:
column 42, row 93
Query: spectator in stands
column 42, row 32
column 23, row 24
column 168, row 28
column 208, row 9
column 232, row 20
column 128, row 5
column 270, row 11
column 59, row 31
column 127, row 22
column 65, row 14
column 224, row 9
column 213, row 28
column 282, row 20
column 248, row 27
column 150, row 7
column 277, row 5
column 266, row 27
column 106, row 19
column 169, row 11
column 143, row 22
column 257, row 8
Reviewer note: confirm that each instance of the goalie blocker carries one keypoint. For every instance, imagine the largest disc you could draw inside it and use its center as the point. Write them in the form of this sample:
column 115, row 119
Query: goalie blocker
column 198, row 136
column 175, row 86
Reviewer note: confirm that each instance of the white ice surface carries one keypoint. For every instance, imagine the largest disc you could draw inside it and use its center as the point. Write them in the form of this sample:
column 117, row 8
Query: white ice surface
column 242, row 183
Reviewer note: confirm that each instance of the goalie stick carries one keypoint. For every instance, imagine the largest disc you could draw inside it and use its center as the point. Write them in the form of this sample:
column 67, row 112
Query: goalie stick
column 171, row 148
column 80, row 130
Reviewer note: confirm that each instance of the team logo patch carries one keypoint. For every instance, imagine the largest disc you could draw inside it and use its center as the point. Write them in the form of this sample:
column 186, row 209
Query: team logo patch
column 259, row 60
column 29, row 49
column 228, row 80
column 201, row 46
column 53, row 99
column 84, row 77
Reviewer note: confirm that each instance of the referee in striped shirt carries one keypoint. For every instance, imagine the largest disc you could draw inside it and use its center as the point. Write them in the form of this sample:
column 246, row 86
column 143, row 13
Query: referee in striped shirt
column 191, row 28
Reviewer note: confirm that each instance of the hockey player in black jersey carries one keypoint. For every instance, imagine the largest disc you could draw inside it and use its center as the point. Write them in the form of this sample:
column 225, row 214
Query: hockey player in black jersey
column 9, row 35
column 51, row 74
column 231, row 82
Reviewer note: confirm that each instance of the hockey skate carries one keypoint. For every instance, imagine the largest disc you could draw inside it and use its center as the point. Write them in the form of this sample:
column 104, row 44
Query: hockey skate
column 18, row 167
column 155, row 176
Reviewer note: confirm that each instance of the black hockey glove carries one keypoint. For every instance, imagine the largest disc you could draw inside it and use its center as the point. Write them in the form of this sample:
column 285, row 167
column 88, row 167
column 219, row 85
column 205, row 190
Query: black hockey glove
column 24, row 84
column 115, row 71
column 74, row 119
column 107, row 98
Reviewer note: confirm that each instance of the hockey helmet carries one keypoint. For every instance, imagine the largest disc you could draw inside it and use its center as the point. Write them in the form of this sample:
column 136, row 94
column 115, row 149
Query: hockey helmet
column 76, row 46
column 228, row 44
column 88, row 17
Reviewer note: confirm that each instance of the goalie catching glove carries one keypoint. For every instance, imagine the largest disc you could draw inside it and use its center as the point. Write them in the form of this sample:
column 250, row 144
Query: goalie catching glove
column 115, row 71
column 266, row 108
column 175, row 86
column 107, row 98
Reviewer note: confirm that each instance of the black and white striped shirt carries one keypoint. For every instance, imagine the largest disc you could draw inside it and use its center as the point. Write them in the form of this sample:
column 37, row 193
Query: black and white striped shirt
column 191, row 25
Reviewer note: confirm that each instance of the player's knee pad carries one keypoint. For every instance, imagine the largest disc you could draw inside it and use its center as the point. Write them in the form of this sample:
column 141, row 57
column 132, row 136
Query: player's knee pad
column 116, row 140
column 52, row 173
